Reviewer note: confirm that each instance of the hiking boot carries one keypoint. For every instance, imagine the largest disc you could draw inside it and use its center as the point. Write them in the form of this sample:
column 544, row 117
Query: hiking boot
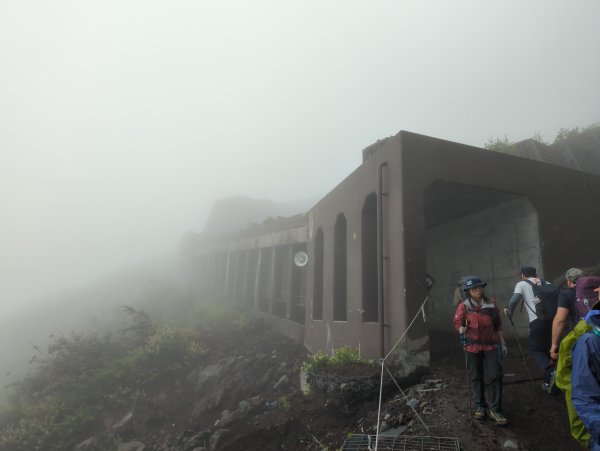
column 551, row 389
column 479, row 413
column 498, row 417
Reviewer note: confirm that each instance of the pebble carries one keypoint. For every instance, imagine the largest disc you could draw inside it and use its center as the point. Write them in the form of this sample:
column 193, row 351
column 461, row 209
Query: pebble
column 412, row 402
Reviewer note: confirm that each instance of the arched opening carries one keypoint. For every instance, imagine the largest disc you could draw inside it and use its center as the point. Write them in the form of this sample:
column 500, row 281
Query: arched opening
column 298, row 289
column 339, row 269
column 369, row 259
column 240, row 275
column 221, row 276
column 250, row 285
column 264, row 277
column 317, row 311
column 471, row 230
column 280, row 281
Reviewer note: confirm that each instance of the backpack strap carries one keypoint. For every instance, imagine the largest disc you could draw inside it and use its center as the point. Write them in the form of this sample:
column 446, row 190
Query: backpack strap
column 468, row 304
column 532, row 287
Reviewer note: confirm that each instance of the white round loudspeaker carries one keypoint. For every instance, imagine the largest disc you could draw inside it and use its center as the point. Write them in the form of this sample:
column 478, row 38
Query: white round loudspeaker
column 300, row 258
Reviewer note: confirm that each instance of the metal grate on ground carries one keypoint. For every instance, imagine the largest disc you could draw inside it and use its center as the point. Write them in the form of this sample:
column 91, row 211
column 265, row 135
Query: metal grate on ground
column 359, row 442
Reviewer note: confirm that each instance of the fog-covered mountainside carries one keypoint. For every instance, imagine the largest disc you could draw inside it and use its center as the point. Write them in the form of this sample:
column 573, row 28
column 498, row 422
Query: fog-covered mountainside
column 93, row 306
column 212, row 378
column 232, row 214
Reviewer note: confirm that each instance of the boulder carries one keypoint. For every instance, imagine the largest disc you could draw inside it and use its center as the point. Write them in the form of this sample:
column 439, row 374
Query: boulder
column 89, row 444
column 131, row 446
column 216, row 438
column 211, row 400
column 124, row 422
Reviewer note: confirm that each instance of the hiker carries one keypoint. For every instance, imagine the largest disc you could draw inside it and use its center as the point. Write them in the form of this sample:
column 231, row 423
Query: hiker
column 458, row 292
column 540, row 330
column 585, row 378
column 566, row 312
column 585, row 294
column 563, row 377
column 477, row 319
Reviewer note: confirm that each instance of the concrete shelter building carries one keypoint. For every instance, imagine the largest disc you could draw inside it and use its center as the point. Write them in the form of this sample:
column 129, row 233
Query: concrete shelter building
column 416, row 205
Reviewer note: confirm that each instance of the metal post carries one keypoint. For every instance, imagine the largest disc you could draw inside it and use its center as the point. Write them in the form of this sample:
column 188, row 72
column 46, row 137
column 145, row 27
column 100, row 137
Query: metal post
column 380, row 261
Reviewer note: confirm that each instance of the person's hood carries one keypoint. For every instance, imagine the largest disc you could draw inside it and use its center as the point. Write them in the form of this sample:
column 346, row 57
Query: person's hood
column 593, row 318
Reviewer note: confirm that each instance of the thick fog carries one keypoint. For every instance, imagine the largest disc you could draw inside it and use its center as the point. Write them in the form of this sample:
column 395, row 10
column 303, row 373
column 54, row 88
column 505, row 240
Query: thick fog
column 122, row 121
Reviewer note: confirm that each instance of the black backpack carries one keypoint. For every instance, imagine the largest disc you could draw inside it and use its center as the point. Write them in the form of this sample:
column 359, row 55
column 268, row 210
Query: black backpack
column 547, row 293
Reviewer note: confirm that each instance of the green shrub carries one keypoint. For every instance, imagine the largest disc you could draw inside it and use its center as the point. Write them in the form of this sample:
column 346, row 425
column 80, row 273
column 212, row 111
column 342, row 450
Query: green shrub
column 285, row 403
column 344, row 355
column 84, row 377
column 173, row 346
column 341, row 356
column 220, row 316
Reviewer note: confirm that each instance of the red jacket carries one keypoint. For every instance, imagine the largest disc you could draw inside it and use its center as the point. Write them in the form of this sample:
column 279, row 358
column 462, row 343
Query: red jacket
column 483, row 324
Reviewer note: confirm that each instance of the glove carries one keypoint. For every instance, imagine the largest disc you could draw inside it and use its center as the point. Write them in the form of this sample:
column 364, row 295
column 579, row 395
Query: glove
column 504, row 350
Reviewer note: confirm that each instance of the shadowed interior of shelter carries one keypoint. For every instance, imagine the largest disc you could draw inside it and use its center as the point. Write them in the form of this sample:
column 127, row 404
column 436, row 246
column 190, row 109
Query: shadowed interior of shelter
column 480, row 231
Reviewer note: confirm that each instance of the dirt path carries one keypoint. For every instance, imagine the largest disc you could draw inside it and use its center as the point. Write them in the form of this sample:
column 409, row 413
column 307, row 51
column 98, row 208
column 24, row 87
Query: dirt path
column 537, row 420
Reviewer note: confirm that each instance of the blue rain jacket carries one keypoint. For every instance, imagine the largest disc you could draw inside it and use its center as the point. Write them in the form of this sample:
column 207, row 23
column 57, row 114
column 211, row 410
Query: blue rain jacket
column 585, row 379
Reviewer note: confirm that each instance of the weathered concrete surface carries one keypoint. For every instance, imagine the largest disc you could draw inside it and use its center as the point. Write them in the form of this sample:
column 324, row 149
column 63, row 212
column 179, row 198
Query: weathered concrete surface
column 492, row 244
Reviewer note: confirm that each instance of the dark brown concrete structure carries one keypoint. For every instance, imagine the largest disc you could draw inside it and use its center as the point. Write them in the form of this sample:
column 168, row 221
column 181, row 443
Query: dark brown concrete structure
column 416, row 205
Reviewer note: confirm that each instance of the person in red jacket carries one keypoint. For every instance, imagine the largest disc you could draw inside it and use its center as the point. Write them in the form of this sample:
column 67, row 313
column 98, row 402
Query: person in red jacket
column 478, row 321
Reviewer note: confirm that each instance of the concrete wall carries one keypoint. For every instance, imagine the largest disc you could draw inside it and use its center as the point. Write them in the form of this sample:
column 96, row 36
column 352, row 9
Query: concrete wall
column 348, row 198
column 492, row 244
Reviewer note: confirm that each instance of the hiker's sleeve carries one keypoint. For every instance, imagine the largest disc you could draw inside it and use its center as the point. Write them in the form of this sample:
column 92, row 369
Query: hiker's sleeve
column 499, row 329
column 586, row 389
column 563, row 299
column 459, row 316
column 512, row 304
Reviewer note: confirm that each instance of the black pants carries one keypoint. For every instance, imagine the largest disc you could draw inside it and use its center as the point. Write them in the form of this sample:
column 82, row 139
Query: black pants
column 486, row 368
column 540, row 338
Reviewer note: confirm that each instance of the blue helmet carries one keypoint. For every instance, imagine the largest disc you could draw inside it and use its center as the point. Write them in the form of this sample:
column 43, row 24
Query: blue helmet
column 472, row 283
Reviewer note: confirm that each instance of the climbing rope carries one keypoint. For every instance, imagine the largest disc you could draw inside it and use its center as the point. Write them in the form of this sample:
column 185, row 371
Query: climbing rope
column 382, row 361
column 422, row 311
column 409, row 404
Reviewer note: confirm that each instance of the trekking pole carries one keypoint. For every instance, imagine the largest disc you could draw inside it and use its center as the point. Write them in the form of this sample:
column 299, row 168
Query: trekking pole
column 520, row 348
column 463, row 340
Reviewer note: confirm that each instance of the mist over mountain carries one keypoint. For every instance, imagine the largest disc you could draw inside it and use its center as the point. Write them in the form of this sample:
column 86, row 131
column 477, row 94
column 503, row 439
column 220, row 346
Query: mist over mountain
column 153, row 285
column 95, row 306
column 232, row 214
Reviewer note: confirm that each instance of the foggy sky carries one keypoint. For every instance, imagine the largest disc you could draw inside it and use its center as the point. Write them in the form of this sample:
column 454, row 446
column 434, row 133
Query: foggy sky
column 122, row 121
